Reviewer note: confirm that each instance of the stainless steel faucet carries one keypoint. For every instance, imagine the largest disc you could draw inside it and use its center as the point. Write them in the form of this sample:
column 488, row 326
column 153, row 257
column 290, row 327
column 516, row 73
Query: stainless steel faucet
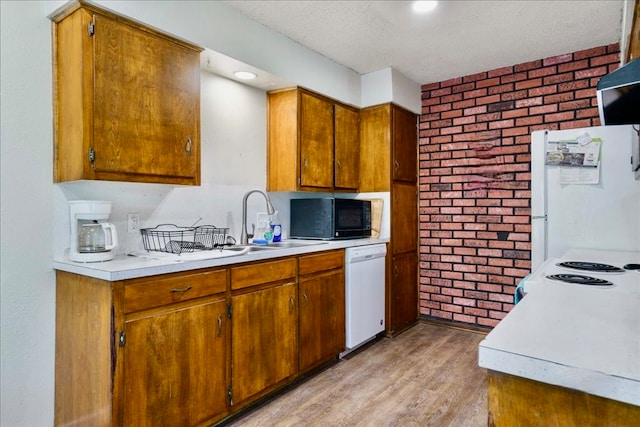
column 244, row 238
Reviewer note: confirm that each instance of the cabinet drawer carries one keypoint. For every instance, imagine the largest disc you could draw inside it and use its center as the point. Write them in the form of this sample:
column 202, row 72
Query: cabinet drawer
column 323, row 261
column 163, row 290
column 261, row 273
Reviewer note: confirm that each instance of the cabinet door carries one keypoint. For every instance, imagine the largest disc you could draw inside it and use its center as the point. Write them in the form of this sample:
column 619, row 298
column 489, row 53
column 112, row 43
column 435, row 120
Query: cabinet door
column 265, row 339
column 405, row 145
column 347, row 148
column 322, row 318
column 404, row 217
column 375, row 148
column 146, row 105
column 404, row 291
column 174, row 366
column 316, row 142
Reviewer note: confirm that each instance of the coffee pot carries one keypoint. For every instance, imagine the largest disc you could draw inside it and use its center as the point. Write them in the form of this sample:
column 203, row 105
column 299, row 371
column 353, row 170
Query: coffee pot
column 92, row 238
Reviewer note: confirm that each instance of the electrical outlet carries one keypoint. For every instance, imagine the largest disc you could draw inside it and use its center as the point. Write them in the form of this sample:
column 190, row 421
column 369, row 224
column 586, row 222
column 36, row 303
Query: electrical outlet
column 133, row 222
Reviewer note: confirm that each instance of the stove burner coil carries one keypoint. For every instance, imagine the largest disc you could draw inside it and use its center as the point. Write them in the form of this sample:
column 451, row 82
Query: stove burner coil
column 579, row 279
column 591, row 266
column 631, row 267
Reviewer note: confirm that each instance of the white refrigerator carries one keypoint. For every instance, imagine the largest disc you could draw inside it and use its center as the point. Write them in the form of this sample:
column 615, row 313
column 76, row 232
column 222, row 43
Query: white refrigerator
column 583, row 191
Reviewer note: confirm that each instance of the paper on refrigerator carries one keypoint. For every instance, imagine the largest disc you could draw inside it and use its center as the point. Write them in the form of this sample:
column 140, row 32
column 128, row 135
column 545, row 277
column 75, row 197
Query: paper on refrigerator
column 578, row 159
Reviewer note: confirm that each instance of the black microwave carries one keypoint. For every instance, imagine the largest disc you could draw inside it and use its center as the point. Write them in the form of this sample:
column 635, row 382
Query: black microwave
column 330, row 218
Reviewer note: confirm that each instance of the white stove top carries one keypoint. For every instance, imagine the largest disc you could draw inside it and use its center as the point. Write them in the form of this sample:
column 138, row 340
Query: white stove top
column 626, row 280
column 580, row 337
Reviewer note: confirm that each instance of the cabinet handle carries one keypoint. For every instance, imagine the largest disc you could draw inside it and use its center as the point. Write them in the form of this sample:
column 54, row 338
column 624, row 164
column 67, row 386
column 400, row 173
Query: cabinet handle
column 395, row 272
column 219, row 325
column 396, row 165
column 292, row 304
column 306, row 298
column 181, row 290
column 188, row 145
column 306, row 163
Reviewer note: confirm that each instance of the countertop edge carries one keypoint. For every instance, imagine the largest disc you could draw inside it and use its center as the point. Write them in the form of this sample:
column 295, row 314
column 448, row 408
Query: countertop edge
column 124, row 267
column 612, row 387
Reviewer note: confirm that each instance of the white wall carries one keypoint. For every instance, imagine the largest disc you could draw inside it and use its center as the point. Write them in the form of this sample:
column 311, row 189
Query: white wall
column 389, row 85
column 34, row 223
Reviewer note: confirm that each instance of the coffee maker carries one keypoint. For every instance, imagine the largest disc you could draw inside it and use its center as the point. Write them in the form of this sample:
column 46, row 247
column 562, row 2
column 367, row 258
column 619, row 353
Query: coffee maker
column 93, row 239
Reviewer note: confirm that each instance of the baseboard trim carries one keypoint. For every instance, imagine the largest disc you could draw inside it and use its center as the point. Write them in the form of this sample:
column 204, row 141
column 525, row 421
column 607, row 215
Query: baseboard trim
column 455, row 325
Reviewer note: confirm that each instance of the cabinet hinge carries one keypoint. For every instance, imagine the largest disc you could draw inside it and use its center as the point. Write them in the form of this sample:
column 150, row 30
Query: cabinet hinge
column 122, row 339
column 229, row 311
column 91, row 28
column 92, row 155
column 230, row 395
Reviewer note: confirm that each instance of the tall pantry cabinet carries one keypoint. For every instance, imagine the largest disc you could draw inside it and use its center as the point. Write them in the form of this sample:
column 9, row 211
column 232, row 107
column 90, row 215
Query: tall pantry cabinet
column 389, row 162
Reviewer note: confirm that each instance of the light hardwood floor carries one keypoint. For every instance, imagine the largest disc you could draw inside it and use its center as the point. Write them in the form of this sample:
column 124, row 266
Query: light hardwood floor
column 426, row 376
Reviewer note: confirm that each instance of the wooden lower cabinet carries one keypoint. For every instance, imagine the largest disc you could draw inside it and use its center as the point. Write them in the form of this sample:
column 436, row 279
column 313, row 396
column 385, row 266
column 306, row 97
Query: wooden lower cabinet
column 516, row 401
column 143, row 352
column 264, row 324
column 192, row 348
column 322, row 308
column 265, row 344
column 174, row 363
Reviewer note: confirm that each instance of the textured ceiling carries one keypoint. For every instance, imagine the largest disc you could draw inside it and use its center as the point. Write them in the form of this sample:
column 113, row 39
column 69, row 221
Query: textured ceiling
column 459, row 38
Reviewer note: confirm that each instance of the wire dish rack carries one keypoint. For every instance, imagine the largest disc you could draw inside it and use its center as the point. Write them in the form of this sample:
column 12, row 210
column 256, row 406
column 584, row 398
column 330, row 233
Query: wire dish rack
column 173, row 239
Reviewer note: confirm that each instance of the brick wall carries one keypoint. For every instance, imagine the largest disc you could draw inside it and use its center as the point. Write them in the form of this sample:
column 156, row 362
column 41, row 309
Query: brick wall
column 475, row 233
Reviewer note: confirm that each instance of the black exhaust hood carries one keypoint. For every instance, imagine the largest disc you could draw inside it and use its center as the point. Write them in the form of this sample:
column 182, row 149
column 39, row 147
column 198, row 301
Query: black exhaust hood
column 619, row 95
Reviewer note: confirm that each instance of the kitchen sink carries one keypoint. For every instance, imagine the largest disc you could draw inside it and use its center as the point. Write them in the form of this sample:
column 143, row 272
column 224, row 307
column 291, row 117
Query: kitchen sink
column 294, row 244
column 271, row 246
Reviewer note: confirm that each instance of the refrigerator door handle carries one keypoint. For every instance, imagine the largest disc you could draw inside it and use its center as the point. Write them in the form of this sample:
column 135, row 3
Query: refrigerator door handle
column 539, row 217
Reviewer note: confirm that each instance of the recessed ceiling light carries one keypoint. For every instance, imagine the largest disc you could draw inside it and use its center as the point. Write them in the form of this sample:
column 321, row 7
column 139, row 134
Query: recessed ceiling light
column 245, row 75
column 424, row 6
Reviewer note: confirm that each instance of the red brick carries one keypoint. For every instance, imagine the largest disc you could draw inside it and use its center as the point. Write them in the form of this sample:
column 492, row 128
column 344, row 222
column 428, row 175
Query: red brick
column 527, row 84
column 559, row 117
column 587, row 53
column 557, row 59
column 500, row 72
column 464, row 318
column 612, row 58
column 543, row 109
column 572, row 66
column 495, row 81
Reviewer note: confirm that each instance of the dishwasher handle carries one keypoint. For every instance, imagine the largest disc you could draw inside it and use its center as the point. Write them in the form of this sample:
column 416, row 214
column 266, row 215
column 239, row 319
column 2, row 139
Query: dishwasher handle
column 365, row 258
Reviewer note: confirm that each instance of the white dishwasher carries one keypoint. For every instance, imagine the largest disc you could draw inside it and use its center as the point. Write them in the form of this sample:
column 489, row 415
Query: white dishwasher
column 364, row 294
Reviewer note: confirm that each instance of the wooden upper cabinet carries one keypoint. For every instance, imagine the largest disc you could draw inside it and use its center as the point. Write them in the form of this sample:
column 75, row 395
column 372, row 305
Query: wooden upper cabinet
column 313, row 143
column 388, row 147
column 126, row 100
column 405, row 145
column 316, row 142
column 375, row 148
column 346, row 148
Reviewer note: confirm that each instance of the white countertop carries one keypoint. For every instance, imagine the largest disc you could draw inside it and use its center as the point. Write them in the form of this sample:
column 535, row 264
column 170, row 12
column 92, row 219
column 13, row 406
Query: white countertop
column 124, row 267
column 580, row 337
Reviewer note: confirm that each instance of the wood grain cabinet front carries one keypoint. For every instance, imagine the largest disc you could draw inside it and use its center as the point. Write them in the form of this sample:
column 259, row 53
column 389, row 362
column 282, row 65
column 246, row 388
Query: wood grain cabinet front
column 126, row 100
column 143, row 352
column 264, row 328
column 322, row 307
column 313, row 143
column 194, row 347
column 389, row 162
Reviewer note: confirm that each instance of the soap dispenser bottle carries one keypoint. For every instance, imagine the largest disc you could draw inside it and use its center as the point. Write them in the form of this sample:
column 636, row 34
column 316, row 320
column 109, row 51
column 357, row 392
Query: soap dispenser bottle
column 276, row 227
